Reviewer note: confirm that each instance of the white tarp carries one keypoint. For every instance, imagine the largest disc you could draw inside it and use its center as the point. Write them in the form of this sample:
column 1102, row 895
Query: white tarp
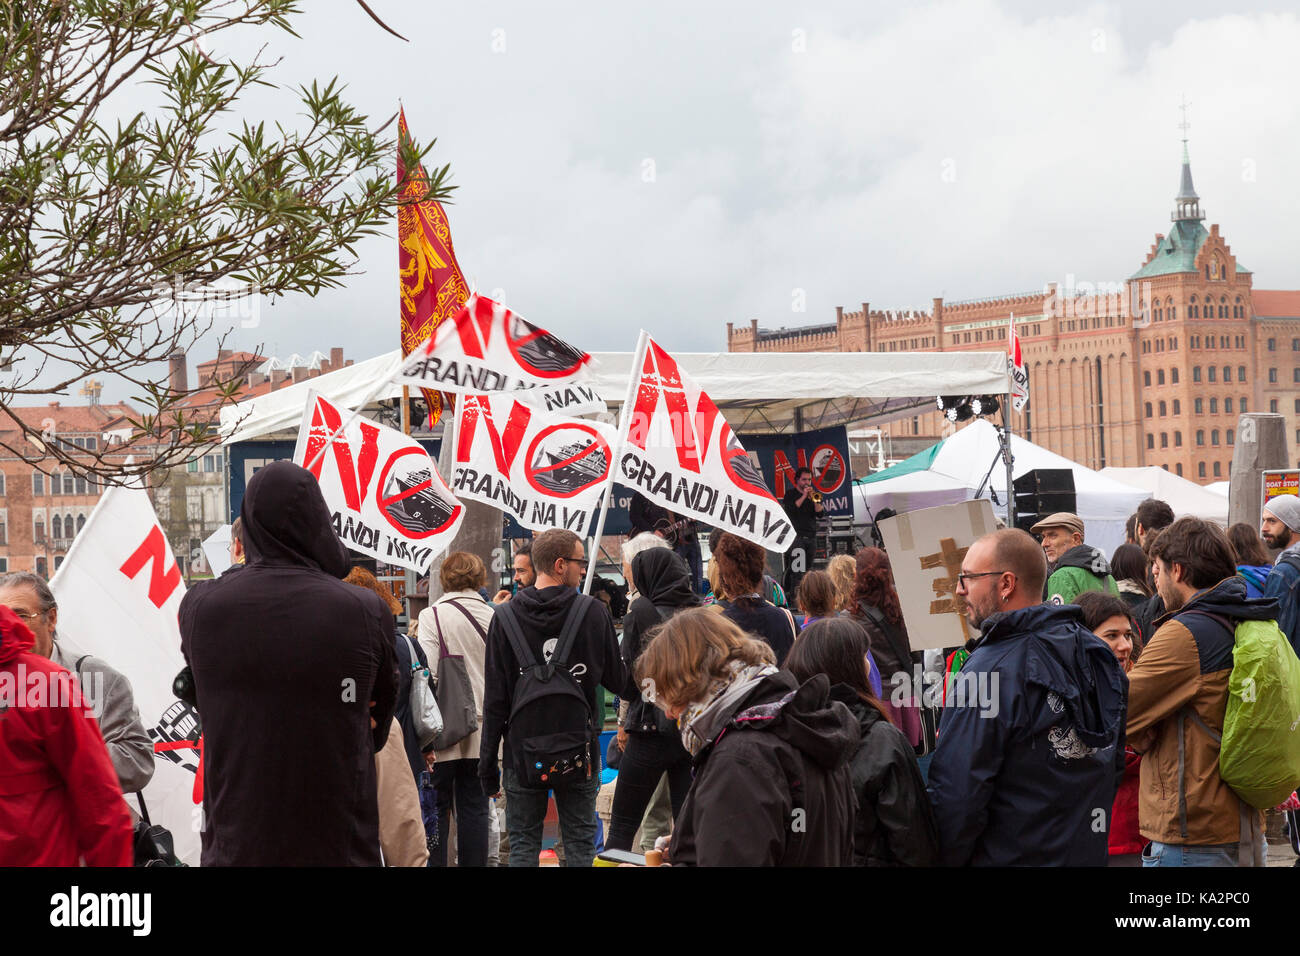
column 756, row 391
column 960, row 464
column 1185, row 497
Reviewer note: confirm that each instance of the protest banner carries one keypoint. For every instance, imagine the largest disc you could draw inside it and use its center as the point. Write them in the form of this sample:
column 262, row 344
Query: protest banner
column 382, row 488
column 118, row 592
column 1016, row 366
column 556, row 482
column 926, row 548
column 487, row 348
column 677, row 450
column 825, row 451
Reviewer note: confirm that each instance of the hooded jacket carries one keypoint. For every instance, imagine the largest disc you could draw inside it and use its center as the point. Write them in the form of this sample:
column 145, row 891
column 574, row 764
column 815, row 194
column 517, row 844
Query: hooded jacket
column 773, row 787
column 1030, row 744
column 1281, row 587
column 663, row 584
column 1183, row 672
column 286, row 659
column 594, row 660
column 1082, row 568
column 895, row 825
column 59, row 798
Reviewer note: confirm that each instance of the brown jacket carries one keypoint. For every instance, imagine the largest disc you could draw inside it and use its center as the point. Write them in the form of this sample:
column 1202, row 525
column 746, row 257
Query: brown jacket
column 1178, row 694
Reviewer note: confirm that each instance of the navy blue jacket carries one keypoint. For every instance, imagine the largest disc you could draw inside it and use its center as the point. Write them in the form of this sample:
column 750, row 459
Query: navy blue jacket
column 1030, row 748
column 1281, row 586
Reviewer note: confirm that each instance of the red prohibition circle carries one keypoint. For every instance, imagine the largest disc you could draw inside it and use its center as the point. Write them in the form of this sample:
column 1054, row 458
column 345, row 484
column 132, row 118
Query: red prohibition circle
column 382, row 502
column 516, row 348
column 600, row 444
column 835, row 456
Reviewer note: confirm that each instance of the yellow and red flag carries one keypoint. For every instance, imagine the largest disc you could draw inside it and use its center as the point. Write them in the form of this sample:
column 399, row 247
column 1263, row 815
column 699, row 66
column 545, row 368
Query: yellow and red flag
column 432, row 284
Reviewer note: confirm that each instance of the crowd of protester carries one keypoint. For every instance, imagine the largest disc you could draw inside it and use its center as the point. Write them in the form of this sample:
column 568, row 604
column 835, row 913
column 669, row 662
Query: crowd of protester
column 1081, row 725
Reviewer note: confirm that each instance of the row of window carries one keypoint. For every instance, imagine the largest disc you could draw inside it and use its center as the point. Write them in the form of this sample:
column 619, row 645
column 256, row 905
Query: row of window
column 1212, row 373
column 1198, row 407
column 1158, row 345
column 64, row 483
column 1200, row 469
column 61, row 526
column 211, row 464
column 1228, row 435
column 1295, row 345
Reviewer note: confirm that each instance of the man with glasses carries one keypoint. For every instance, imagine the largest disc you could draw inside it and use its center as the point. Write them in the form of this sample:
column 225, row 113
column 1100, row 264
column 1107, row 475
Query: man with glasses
column 1030, row 748
column 541, row 612
column 107, row 691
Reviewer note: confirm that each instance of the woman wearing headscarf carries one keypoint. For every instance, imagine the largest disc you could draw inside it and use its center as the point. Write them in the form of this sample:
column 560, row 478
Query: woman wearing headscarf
column 663, row 585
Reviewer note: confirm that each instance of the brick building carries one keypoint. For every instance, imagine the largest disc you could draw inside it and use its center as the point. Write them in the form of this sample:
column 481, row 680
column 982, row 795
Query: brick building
column 1151, row 371
column 43, row 507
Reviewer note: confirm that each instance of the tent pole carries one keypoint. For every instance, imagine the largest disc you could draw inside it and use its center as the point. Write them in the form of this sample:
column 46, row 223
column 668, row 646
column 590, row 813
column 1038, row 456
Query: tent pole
column 1008, row 459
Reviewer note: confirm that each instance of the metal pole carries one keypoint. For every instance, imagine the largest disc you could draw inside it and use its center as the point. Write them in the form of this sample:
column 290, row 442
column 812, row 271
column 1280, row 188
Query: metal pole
column 624, row 425
column 1009, row 460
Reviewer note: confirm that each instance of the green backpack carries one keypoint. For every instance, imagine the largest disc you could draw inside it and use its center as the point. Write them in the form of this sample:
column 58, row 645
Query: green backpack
column 1259, row 753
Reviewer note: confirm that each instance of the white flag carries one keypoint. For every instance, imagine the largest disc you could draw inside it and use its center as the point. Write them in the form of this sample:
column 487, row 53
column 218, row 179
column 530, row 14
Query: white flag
column 545, row 470
column 118, row 592
column 383, row 490
column 487, row 348
column 1016, row 366
column 681, row 453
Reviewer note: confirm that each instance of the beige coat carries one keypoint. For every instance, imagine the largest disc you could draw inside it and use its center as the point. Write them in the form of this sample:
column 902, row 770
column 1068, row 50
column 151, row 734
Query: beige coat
column 401, row 825
column 463, row 640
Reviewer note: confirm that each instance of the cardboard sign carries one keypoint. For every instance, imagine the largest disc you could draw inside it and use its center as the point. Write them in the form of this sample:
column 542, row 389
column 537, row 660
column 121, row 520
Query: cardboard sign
column 926, row 548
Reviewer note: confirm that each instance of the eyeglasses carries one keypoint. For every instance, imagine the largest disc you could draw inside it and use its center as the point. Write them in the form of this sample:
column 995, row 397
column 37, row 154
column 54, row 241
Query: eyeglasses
column 583, row 561
column 27, row 615
column 965, row 576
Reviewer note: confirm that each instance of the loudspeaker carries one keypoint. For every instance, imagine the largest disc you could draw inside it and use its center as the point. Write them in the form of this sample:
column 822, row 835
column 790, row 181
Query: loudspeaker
column 1042, row 492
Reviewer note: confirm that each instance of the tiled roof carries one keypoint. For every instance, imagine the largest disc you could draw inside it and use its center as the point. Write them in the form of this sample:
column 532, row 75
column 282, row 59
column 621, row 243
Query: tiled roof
column 1276, row 302
column 71, row 419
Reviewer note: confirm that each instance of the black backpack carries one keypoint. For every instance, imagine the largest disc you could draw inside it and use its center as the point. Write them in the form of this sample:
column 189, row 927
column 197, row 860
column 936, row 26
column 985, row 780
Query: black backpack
column 549, row 730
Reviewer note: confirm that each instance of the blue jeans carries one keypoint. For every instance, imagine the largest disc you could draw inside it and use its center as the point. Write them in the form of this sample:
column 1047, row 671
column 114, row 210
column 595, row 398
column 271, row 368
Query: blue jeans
column 526, row 812
column 456, row 783
column 1173, row 854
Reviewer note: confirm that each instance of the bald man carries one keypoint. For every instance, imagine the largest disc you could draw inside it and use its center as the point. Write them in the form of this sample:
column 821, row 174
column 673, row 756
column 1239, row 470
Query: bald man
column 1030, row 745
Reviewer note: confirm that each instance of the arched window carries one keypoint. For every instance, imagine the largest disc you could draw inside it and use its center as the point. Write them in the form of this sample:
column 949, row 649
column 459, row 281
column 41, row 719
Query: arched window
column 1178, row 439
column 1192, row 309
column 1173, row 376
column 1178, row 407
column 1214, row 406
column 1163, row 409
column 1213, row 372
column 1229, row 435
column 1217, row 472
column 1178, row 469
column 1227, row 373
column 1200, row 469
column 1196, row 373
column 81, row 522
column 1148, row 407
column 68, row 526
column 1200, row 436
column 1227, row 405
column 1146, row 379
column 1241, row 373
column 1160, row 377
column 1214, row 436
column 1164, row 439
column 1151, row 441
column 56, row 527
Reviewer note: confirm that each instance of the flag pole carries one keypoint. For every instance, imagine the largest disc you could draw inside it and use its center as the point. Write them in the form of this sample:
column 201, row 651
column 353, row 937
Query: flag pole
column 406, row 410
column 1007, row 458
column 624, row 425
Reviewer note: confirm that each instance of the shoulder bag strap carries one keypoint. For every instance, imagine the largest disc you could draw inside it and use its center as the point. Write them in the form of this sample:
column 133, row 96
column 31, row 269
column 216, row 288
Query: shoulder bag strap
column 569, row 633
column 877, row 617
column 472, row 619
column 794, row 628
column 144, row 812
column 442, row 644
column 523, row 654
column 416, row 663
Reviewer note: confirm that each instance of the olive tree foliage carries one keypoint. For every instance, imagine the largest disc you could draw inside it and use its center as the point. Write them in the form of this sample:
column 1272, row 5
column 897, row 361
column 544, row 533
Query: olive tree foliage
column 125, row 235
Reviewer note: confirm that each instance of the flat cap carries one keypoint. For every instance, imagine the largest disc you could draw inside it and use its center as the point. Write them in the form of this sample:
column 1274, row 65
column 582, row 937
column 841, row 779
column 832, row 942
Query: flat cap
column 1062, row 519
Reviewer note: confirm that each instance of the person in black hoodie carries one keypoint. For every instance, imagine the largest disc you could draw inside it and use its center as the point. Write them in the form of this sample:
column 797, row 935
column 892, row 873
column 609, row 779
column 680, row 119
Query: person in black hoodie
column 895, row 825
column 663, row 584
column 295, row 683
column 560, row 562
column 771, row 757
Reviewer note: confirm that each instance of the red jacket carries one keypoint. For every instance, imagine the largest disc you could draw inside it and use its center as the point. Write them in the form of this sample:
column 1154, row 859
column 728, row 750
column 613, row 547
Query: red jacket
column 59, row 797
column 1124, row 835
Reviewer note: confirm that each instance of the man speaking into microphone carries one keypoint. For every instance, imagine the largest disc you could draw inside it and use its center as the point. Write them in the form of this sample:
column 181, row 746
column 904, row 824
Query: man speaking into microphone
column 803, row 507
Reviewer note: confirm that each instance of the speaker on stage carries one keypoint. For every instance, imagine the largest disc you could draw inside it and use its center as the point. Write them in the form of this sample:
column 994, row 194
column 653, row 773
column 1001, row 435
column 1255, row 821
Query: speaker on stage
column 1042, row 492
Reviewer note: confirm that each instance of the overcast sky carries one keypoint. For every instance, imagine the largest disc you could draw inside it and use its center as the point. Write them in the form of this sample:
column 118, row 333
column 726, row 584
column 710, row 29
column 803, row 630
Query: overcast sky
column 681, row 165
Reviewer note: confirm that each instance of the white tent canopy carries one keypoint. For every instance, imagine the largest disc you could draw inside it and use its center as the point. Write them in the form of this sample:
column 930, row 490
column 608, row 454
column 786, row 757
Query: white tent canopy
column 958, row 465
column 756, row 391
column 1185, row 497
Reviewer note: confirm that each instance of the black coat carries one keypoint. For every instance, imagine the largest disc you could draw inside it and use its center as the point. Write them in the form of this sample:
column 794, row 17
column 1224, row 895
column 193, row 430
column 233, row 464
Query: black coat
column 663, row 583
column 785, row 749
column 895, row 824
column 286, row 659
